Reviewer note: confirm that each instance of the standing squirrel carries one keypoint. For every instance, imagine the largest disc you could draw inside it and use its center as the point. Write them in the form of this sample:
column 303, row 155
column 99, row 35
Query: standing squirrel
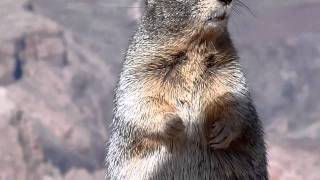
column 183, row 109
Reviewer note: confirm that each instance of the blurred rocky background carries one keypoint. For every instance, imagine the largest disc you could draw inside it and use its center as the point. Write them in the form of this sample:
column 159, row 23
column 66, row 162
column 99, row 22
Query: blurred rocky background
column 59, row 62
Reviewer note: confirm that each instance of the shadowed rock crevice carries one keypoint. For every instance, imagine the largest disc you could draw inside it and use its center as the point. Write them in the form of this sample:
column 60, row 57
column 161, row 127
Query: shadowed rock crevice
column 20, row 45
column 39, row 46
column 57, row 125
column 29, row 6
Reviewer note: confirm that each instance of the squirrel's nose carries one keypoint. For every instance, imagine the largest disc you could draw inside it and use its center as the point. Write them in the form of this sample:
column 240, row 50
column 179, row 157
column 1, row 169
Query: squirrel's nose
column 227, row 2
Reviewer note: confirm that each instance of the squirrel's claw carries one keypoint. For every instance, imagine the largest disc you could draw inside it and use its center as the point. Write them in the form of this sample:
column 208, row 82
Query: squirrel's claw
column 220, row 135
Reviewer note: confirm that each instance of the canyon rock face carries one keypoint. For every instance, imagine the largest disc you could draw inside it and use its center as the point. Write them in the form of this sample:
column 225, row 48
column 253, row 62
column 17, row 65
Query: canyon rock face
column 55, row 98
column 59, row 62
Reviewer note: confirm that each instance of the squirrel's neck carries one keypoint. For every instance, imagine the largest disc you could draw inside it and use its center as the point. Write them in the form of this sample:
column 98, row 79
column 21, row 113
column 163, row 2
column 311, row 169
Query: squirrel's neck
column 176, row 43
column 167, row 51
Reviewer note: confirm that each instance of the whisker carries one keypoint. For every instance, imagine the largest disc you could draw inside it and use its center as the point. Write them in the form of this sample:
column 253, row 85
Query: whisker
column 241, row 4
column 239, row 15
column 236, row 11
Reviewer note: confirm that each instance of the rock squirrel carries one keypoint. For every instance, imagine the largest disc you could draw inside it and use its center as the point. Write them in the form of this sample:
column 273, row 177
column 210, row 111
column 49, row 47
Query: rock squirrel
column 182, row 106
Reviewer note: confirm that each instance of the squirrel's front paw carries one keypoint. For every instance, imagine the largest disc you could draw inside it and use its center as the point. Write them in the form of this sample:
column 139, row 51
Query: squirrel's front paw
column 221, row 135
column 173, row 127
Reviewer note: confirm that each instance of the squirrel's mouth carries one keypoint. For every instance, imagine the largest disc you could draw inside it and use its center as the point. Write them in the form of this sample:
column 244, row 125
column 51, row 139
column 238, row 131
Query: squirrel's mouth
column 217, row 16
column 216, row 20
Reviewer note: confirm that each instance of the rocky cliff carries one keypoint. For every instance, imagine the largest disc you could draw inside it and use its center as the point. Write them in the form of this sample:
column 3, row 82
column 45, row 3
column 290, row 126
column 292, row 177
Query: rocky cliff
column 59, row 61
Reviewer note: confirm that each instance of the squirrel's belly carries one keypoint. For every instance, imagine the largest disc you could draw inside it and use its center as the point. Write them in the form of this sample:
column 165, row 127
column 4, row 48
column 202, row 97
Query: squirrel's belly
column 191, row 162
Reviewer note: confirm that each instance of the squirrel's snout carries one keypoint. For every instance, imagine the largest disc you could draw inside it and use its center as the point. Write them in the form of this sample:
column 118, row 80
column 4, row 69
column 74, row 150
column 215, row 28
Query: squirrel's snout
column 227, row 2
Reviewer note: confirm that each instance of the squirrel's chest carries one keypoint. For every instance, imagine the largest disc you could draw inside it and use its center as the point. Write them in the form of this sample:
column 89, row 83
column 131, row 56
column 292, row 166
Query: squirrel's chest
column 182, row 74
column 187, row 80
column 187, row 70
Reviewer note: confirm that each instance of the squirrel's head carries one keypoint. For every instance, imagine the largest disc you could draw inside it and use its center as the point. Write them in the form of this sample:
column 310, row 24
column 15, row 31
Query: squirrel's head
column 172, row 17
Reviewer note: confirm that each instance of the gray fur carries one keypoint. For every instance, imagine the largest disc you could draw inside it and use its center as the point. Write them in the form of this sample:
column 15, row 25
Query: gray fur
column 149, row 59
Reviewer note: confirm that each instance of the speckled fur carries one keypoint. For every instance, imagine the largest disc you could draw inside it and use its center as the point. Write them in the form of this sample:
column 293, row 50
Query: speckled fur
column 179, row 79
